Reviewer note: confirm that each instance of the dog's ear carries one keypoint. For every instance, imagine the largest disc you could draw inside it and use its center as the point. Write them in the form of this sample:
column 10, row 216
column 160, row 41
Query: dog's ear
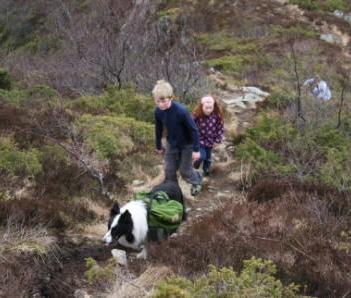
column 114, row 210
column 126, row 221
column 126, row 218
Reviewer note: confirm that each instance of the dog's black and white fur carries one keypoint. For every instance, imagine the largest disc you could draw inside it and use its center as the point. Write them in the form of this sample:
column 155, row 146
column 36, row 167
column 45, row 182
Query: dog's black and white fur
column 128, row 225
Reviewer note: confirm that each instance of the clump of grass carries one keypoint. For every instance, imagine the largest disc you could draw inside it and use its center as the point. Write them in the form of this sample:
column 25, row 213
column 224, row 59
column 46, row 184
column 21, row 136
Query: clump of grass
column 20, row 239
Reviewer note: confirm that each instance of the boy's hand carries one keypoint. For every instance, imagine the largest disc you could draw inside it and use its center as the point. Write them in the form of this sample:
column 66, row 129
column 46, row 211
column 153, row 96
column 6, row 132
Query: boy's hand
column 160, row 151
column 196, row 156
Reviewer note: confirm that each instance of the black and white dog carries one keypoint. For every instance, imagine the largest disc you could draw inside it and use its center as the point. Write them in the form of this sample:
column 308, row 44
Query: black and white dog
column 128, row 225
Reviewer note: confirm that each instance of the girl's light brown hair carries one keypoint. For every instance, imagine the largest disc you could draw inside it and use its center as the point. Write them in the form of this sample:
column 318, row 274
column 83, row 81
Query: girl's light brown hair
column 217, row 109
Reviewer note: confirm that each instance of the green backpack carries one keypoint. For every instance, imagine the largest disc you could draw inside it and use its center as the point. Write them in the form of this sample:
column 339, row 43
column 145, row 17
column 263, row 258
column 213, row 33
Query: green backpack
column 163, row 212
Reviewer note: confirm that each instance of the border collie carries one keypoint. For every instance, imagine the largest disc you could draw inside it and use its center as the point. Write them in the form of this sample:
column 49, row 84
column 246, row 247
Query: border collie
column 128, row 225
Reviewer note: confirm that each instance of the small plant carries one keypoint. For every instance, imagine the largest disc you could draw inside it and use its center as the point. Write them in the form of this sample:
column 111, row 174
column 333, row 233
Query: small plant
column 345, row 243
column 97, row 274
column 256, row 280
column 5, row 79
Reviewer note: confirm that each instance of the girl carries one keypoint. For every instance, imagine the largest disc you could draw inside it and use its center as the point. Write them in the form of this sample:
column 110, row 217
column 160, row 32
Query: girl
column 208, row 116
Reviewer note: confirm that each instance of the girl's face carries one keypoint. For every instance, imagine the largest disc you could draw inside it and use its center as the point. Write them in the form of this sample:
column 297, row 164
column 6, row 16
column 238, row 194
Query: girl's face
column 207, row 105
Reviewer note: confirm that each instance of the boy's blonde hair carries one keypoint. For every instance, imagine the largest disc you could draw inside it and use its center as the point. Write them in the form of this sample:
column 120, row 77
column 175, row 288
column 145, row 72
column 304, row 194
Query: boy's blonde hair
column 162, row 89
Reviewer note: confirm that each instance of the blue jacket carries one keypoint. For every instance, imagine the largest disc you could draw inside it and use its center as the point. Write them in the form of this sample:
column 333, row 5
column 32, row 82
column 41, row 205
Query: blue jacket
column 180, row 126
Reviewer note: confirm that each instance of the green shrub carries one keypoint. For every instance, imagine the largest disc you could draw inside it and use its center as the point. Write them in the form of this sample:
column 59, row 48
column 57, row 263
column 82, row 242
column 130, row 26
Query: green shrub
column 234, row 56
column 221, row 42
column 96, row 274
column 37, row 94
column 16, row 97
column 336, row 170
column 257, row 149
column 42, row 91
column 5, row 79
column 343, row 5
column 256, row 280
column 16, row 162
column 306, row 4
column 304, row 31
column 262, row 160
column 328, row 137
column 328, row 5
column 271, row 128
column 110, row 136
column 232, row 64
column 280, row 99
column 122, row 102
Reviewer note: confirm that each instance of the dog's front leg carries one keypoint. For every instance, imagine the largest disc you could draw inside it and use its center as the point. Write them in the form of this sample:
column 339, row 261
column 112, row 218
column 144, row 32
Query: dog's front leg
column 143, row 253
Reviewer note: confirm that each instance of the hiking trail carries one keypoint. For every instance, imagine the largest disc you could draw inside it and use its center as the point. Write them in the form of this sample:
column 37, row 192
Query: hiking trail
column 240, row 105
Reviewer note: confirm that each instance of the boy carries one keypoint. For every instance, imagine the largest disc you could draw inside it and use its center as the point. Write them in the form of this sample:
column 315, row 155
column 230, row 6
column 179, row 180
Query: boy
column 182, row 137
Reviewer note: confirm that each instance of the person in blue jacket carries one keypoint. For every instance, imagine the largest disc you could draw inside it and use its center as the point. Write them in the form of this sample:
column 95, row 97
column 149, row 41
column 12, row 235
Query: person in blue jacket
column 182, row 146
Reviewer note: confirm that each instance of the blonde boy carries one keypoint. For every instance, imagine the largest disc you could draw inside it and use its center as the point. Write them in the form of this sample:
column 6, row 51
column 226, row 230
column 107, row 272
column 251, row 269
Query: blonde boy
column 182, row 146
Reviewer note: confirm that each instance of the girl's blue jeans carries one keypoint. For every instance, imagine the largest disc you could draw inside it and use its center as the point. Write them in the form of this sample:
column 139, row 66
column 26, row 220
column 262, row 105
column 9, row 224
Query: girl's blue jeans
column 205, row 159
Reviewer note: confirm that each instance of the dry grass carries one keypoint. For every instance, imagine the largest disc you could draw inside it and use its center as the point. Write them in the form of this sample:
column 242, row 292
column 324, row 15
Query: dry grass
column 19, row 239
column 141, row 286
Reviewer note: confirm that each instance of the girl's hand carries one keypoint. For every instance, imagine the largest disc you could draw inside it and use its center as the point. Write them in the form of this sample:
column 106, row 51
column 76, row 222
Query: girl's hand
column 196, row 156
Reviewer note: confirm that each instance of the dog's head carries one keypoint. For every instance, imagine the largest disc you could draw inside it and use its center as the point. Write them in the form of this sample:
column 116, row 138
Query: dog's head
column 119, row 224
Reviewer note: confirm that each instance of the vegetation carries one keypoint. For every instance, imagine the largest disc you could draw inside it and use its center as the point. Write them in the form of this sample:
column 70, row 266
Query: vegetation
column 5, row 80
column 324, row 5
column 274, row 146
column 256, row 279
column 76, row 127
column 97, row 274
column 17, row 162
column 120, row 102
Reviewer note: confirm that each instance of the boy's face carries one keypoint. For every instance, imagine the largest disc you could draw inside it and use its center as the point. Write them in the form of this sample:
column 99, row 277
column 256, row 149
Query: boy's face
column 163, row 103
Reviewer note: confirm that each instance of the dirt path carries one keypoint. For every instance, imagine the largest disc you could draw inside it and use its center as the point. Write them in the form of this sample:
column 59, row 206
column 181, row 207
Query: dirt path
column 220, row 187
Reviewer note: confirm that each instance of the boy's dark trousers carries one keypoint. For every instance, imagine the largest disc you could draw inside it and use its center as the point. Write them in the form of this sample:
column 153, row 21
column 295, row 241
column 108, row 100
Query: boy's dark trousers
column 181, row 159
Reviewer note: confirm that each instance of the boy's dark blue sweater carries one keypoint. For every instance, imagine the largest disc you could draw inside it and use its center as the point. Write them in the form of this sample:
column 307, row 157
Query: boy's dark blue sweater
column 181, row 128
